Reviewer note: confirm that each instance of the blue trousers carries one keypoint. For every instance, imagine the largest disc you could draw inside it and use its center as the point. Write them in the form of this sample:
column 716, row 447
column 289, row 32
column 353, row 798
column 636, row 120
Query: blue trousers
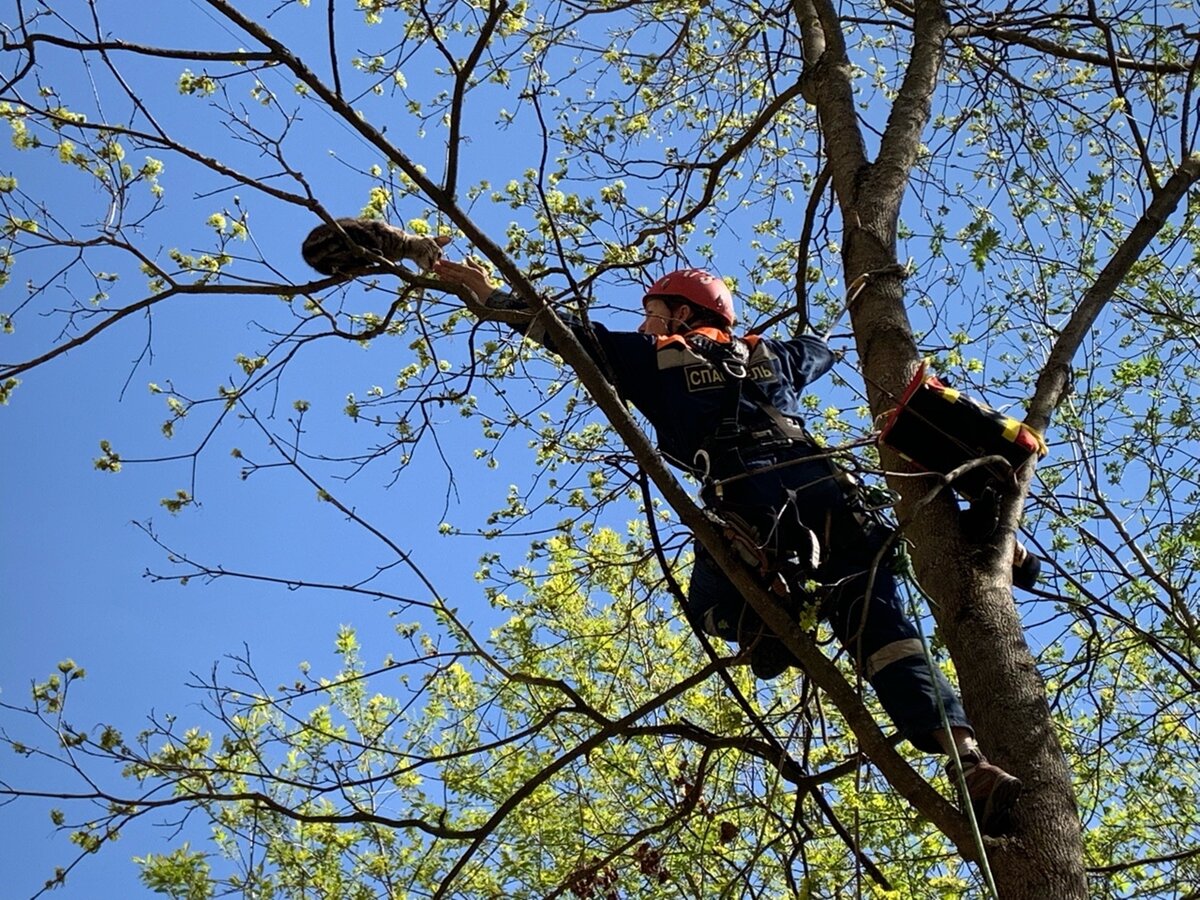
column 787, row 505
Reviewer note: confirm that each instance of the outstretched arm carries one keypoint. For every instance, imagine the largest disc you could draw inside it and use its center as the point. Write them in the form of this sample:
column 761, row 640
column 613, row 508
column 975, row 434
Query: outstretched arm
column 469, row 274
column 475, row 278
column 626, row 358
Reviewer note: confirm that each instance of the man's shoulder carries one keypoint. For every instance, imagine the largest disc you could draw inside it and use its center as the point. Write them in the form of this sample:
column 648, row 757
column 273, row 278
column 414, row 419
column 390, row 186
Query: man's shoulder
column 674, row 351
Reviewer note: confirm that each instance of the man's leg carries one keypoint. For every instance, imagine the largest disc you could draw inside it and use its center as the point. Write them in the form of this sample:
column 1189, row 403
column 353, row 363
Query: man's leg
column 720, row 610
column 886, row 648
column 920, row 701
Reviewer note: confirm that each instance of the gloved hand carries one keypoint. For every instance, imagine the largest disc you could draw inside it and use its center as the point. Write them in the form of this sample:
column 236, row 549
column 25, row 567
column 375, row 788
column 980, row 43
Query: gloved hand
column 1026, row 568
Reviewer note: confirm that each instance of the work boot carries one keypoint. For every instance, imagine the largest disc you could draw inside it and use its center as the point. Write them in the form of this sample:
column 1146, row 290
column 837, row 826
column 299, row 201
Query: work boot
column 991, row 791
column 981, row 517
column 769, row 658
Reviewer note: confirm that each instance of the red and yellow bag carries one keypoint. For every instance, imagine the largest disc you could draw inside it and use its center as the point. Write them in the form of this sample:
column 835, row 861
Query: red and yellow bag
column 939, row 428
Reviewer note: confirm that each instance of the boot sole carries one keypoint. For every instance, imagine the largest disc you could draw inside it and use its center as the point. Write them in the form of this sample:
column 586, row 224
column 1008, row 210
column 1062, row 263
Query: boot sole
column 996, row 818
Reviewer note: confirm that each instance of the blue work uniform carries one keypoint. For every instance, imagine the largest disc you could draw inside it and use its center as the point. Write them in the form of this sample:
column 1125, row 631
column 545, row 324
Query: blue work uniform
column 782, row 486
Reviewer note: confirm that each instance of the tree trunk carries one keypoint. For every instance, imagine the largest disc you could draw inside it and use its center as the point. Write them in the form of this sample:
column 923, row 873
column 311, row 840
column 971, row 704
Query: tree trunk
column 970, row 585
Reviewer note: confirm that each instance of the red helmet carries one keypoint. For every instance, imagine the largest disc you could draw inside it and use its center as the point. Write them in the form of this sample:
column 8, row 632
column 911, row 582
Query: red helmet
column 696, row 286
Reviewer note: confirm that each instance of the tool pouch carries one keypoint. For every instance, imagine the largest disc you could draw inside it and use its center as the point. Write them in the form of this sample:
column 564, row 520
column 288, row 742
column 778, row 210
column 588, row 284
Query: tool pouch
column 939, row 428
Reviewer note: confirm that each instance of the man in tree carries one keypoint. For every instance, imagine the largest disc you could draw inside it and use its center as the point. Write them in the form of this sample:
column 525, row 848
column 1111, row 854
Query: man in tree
column 727, row 409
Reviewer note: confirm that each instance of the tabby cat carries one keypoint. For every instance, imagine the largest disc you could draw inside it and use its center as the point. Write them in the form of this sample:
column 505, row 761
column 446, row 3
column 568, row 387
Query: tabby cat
column 330, row 253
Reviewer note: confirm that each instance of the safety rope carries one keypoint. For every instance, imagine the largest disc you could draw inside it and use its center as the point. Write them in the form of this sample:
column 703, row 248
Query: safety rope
column 863, row 861
column 858, row 285
column 984, row 866
column 856, row 289
column 819, row 452
column 853, row 291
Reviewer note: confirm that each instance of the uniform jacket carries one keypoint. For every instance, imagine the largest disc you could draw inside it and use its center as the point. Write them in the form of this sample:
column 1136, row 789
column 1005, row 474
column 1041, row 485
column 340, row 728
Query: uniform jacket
column 682, row 393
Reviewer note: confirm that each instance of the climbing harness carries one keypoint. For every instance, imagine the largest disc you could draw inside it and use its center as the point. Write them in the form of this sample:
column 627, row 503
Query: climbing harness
column 718, row 461
column 778, row 545
column 752, row 547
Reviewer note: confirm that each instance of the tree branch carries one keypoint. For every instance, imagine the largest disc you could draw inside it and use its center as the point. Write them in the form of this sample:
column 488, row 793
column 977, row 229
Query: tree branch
column 901, row 142
column 1054, row 381
column 462, row 75
column 614, row 728
column 235, row 56
column 828, row 85
column 760, row 123
column 1017, row 37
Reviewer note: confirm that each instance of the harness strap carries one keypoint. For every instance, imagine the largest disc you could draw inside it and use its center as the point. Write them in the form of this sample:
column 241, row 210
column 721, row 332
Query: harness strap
column 733, row 359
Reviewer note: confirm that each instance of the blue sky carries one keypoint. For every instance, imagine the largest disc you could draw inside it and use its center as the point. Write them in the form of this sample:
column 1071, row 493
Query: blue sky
column 73, row 560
